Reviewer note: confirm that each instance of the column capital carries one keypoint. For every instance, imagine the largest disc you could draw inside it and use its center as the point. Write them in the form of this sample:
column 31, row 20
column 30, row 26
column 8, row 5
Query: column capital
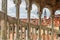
column 29, row 7
column 17, row 2
column 4, row 6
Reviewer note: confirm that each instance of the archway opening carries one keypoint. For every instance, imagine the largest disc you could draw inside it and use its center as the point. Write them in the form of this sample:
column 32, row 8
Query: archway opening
column 57, row 19
column 11, row 11
column 34, row 12
column 23, row 11
column 46, row 12
column 46, row 19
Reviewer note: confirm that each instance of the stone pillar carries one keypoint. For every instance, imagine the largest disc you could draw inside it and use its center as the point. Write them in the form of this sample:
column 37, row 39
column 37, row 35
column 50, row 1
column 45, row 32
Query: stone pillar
column 8, row 36
column 40, row 12
column 17, row 22
column 34, row 34
column 15, row 32
column 12, row 31
column 52, row 33
column 23, row 34
column 43, row 34
column 4, row 25
column 31, row 33
column 20, row 32
column 4, row 6
column 17, row 4
column 37, row 33
column 2, row 30
column 29, row 11
column 26, row 32
column 48, row 35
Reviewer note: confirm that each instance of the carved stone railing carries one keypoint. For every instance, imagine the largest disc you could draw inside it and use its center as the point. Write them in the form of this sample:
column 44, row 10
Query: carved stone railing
column 23, row 27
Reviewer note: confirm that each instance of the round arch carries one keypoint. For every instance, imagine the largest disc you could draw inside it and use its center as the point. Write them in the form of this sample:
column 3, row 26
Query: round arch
column 38, row 6
column 34, row 11
column 48, row 7
column 57, row 12
column 46, row 12
column 57, row 18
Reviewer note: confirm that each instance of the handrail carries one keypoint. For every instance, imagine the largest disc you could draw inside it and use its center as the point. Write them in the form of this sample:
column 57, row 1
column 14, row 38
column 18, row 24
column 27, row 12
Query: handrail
column 13, row 20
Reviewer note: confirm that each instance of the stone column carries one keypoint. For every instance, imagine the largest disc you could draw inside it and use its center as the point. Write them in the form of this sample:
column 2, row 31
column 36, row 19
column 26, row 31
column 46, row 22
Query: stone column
column 52, row 33
column 37, row 32
column 8, row 31
column 23, row 34
column 43, row 34
column 4, row 25
column 2, row 30
column 17, row 22
column 4, row 6
column 17, row 4
column 12, row 31
column 26, row 32
column 48, row 35
column 29, row 11
column 34, row 34
column 15, row 32
column 40, row 12
column 31, row 33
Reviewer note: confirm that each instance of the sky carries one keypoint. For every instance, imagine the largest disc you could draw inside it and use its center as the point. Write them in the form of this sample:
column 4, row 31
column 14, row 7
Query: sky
column 23, row 12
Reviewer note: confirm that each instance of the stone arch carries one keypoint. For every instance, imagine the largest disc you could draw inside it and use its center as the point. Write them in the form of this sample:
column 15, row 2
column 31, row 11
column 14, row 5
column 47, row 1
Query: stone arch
column 57, row 11
column 49, row 7
column 38, row 6
column 57, row 19
column 34, row 10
